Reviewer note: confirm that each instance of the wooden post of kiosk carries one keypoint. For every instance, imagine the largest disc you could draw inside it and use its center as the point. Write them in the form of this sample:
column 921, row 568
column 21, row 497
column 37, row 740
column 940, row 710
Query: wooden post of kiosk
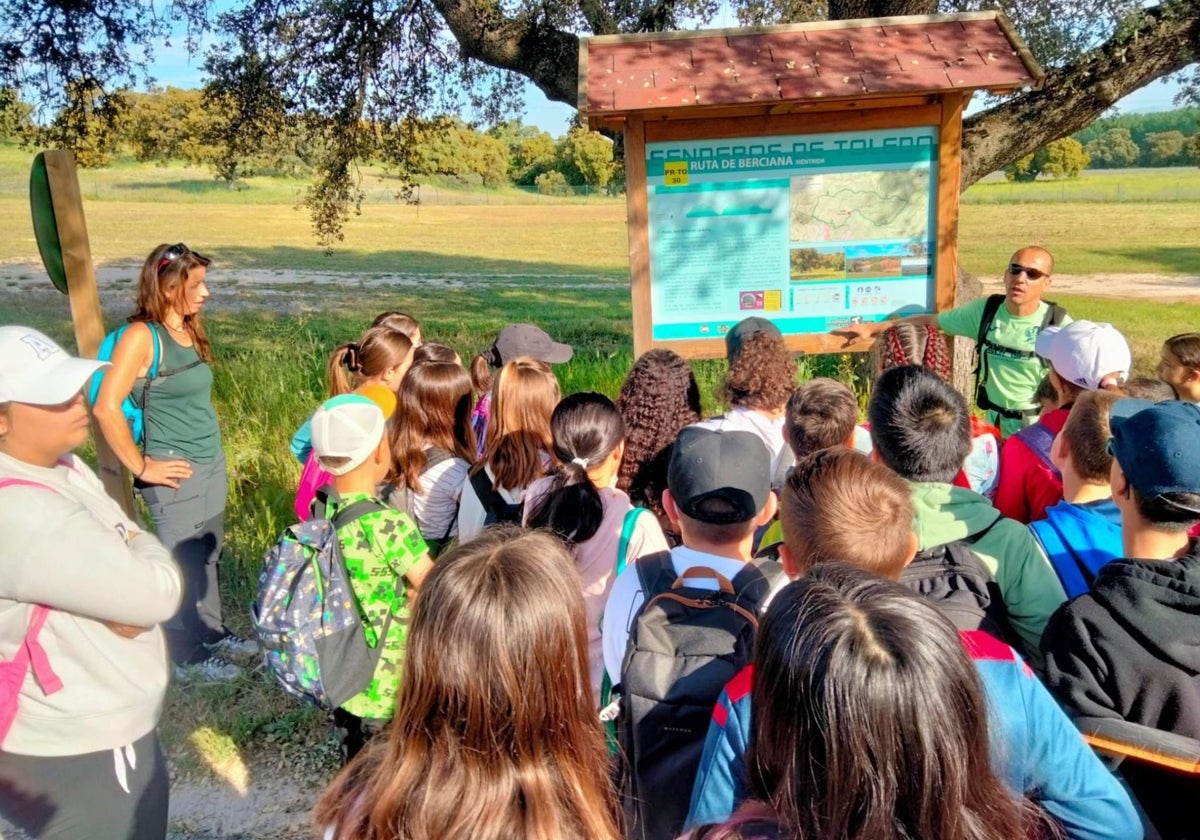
column 69, row 246
column 700, row 104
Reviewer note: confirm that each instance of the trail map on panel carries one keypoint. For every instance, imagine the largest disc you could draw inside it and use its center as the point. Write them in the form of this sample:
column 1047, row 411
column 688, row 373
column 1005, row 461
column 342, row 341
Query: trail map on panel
column 813, row 231
column 851, row 206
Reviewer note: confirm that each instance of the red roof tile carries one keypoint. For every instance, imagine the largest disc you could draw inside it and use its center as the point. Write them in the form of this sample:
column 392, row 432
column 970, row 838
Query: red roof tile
column 889, row 57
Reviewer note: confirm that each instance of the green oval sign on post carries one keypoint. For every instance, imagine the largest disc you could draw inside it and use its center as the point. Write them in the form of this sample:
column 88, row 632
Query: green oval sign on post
column 45, row 226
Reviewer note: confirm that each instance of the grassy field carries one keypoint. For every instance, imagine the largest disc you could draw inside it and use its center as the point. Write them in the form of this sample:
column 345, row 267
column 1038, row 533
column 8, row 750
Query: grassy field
column 561, row 265
column 129, row 207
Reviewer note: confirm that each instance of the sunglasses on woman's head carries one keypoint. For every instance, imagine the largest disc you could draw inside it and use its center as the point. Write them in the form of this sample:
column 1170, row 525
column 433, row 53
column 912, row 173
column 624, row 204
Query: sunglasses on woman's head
column 175, row 252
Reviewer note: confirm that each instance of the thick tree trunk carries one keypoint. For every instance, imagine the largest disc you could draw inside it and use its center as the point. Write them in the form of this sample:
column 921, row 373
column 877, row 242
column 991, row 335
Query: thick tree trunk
column 547, row 56
column 1158, row 41
column 1152, row 43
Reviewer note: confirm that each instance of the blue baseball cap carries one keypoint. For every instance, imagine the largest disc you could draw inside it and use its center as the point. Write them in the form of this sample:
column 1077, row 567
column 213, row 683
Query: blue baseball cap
column 1157, row 445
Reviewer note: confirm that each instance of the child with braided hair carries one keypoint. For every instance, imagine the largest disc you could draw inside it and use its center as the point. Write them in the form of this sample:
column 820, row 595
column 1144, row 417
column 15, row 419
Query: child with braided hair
column 918, row 344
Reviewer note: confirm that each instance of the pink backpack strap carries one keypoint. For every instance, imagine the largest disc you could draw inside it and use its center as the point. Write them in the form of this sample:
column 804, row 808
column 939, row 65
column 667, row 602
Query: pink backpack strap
column 24, row 482
column 46, row 677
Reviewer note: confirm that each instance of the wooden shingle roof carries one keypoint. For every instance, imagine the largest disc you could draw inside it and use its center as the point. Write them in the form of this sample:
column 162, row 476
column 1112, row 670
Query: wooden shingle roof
column 827, row 60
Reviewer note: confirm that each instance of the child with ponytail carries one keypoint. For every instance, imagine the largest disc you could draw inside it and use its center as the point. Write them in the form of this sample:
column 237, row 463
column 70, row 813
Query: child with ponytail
column 579, row 501
column 380, row 357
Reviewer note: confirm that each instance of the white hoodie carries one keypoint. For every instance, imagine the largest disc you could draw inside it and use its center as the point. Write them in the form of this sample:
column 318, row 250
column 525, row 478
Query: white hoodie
column 70, row 550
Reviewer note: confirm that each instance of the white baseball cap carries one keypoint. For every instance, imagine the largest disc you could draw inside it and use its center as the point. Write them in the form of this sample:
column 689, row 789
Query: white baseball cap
column 349, row 426
column 35, row 370
column 1086, row 353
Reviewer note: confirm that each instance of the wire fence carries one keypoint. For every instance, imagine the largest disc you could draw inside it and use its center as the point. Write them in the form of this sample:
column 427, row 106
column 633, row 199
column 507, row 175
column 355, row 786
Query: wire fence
column 1102, row 190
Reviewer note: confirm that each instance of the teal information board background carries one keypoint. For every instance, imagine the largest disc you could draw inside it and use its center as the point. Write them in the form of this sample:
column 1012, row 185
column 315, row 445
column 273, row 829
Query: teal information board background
column 812, row 231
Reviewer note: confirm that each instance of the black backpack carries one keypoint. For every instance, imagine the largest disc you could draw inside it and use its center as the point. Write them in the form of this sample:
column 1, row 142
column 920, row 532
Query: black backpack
column 685, row 645
column 959, row 584
column 496, row 510
column 404, row 499
column 984, row 346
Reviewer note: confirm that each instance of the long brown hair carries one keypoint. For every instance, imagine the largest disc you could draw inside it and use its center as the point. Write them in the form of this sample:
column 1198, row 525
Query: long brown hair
column 495, row 736
column 869, row 718
column 379, row 348
column 518, row 438
column 161, row 285
column 433, row 409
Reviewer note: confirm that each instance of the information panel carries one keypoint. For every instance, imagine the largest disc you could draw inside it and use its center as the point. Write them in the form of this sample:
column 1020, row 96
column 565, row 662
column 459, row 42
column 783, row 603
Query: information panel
column 812, row 231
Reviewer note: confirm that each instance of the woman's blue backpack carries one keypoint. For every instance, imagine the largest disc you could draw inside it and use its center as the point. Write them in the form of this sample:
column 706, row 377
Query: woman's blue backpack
column 131, row 407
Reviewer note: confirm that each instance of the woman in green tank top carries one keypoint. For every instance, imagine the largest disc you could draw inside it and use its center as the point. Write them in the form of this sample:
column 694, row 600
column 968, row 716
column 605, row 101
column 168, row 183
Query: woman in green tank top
column 179, row 468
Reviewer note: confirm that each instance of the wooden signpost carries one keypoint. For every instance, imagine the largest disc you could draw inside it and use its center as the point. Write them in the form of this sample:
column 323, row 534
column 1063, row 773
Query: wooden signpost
column 67, row 254
column 806, row 173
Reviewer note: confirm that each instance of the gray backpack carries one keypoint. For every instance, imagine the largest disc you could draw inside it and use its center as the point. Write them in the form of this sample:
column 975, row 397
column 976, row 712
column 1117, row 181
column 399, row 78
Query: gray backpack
column 306, row 615
column 685, row 645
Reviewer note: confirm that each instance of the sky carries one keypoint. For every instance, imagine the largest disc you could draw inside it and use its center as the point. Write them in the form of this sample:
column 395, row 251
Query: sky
column 173, row 66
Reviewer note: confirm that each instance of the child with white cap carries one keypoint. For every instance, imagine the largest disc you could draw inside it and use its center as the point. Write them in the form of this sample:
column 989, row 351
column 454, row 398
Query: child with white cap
column 1083, row 356
column 383, row 550
column 83, row 591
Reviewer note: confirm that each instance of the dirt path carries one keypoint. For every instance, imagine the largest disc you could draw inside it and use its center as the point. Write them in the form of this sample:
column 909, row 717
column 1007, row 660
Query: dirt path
column 283, row 289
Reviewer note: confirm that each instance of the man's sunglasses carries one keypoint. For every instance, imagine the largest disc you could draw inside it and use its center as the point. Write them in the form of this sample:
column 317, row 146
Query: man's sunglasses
column 1033, row 274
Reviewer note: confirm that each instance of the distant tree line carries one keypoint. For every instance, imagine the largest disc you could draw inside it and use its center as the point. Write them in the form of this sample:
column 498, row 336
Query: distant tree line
column 1167, row 138
column 206, row 129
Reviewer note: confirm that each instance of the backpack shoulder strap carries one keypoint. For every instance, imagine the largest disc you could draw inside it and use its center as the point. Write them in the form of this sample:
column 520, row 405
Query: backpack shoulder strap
column 435, row 455
column 1054, row 315
column 656, row 573
column 1071, row 573
column 46, row 677
column 990, row 308
column 156, row 342
column 24, row 482
column 994, row 302
column 356, row 510
column 757, row 578
column 627, row 526
column 1039, row 439
column 42, row 670
column 493, row 503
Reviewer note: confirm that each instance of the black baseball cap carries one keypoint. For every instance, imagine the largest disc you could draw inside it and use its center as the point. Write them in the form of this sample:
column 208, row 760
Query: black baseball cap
column 527, row 340
column 733, row 466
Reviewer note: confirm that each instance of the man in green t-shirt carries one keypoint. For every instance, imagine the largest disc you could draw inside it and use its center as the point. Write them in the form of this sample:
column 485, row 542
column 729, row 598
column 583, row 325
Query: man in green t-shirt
column 1010, row 370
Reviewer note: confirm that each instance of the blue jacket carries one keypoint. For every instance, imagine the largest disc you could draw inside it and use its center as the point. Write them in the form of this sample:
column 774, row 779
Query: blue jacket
column 1038, row 751
column 1078, row 540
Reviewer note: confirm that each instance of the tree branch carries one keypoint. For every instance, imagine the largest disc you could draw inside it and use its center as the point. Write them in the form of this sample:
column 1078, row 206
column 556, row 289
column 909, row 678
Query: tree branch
column 1154, row 42
column 549, row 57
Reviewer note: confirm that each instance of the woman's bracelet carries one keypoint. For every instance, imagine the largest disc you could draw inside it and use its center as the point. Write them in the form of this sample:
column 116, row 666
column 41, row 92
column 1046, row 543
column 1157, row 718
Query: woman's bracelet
column 142, row 470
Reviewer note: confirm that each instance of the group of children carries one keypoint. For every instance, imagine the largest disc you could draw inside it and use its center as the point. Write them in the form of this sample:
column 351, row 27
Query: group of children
column 664, row 512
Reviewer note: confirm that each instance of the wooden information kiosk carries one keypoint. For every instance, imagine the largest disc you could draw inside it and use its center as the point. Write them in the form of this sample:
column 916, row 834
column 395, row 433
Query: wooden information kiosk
column 806, row 173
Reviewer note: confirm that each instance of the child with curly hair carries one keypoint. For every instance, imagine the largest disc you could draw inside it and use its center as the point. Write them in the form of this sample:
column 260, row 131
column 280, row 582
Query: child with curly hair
column 762, row 375
column 659, row 397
